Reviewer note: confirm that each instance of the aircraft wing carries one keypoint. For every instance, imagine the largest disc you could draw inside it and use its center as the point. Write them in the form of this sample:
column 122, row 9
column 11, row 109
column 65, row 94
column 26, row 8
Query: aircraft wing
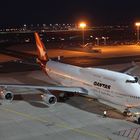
column 79, row 90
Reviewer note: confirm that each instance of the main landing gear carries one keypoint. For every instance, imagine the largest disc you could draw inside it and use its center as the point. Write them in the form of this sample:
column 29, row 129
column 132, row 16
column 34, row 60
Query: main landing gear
column 127, row 112
column 65, row 96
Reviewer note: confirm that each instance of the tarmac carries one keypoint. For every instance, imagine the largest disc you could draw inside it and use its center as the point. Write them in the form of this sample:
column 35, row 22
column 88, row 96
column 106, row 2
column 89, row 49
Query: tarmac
column 22, row 121
column 80, row 118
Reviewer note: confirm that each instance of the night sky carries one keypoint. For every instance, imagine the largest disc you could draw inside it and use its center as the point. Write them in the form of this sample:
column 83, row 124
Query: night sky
column 96, row 12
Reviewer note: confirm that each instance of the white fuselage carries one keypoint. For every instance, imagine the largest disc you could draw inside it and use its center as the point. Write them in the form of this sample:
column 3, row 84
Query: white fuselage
column 101, row 84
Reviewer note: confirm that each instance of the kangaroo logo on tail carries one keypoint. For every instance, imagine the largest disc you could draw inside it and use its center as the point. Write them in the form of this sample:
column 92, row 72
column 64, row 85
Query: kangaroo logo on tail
column 42, row 54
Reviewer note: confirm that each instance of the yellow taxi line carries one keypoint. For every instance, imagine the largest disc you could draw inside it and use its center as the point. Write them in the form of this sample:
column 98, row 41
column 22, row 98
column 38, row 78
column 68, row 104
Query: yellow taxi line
column 92, row 134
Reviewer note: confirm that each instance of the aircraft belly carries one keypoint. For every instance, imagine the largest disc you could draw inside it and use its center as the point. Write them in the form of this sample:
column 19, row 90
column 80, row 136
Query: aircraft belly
column 92, row 93
column 110, row 96
column 133, row 101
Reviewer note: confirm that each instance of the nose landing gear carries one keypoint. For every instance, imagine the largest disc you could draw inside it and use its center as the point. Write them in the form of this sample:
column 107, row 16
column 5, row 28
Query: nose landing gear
column 135, row 116
column 127, row 112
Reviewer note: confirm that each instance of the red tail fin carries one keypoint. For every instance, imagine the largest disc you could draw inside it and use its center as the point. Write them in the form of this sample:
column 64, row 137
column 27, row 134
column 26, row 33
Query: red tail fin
column 42, row 53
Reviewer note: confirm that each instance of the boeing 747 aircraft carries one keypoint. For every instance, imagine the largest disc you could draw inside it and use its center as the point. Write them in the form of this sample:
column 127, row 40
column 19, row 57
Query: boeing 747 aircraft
column 105, row 85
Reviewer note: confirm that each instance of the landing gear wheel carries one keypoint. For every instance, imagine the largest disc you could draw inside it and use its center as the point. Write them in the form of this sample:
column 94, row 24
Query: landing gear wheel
column 139, row 120
column 127, row 112
column 63, row 97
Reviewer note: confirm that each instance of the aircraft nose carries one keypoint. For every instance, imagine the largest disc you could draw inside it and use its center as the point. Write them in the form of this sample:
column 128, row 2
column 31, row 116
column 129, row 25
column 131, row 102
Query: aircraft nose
column 134, row 90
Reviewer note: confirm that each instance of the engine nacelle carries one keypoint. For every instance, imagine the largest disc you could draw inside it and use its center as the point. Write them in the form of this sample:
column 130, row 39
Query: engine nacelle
column 6, row 95
column 49, row 99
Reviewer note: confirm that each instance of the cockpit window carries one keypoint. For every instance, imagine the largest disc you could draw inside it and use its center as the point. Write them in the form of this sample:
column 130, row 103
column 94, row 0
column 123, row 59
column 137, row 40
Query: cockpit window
column 133, row 81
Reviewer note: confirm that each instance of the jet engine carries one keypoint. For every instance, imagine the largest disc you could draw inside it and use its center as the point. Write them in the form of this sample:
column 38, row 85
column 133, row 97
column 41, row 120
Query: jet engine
column 49, row 99
column 6, row 95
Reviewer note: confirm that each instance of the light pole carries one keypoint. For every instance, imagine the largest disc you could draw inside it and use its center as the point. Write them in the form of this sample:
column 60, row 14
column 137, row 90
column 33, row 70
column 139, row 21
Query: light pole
column 83, row 25
column 104, row 38
column 138, row 32
column 97, row 41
